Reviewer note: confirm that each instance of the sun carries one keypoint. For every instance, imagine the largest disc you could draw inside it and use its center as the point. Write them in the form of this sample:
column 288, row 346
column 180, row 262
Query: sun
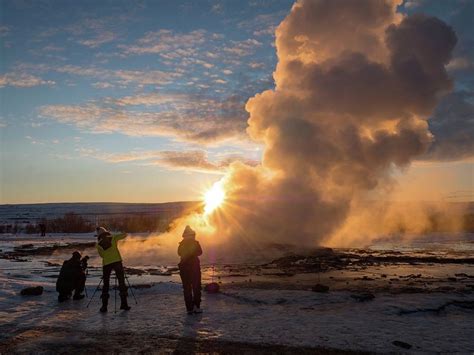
column 214, row 197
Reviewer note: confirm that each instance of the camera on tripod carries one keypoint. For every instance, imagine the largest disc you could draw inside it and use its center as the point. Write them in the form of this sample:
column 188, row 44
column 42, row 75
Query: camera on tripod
column 84, row 264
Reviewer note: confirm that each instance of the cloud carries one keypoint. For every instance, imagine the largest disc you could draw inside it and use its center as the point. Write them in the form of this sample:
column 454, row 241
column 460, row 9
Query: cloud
column 97, row 41
column 196, row 160
column 121, row 77
column 187, row 160
column 262, row 24
column 53, row 48
column 150, row 77
column 452, row 125
column 23, row 80
column 151, row 99
column 186, row 117
column 460, row 63
column 4, row 31
column 217, row 8
column 255, row 65
column 93, row 32
column 102, row 85
column 243, row 48
column 412, row 4
column 167, row 43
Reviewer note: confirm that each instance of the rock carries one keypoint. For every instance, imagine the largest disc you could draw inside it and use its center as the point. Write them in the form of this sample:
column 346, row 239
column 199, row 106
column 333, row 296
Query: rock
column 364, row 278
column 212, row 287
column 363, row 297
column 401, row 344
column 411, row 289
column 32, row 291
column 320, row 288
column 50, row 264
column 26, row 246
column 142, row 286
column 133, row 271
column 160, row 273
column 280, row 274
column 445, row 288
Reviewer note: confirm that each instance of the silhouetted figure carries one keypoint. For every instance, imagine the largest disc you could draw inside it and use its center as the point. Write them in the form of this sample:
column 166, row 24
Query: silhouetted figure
column 71, row 278
column 111, row 260
column 190, row 270
column 42, row 228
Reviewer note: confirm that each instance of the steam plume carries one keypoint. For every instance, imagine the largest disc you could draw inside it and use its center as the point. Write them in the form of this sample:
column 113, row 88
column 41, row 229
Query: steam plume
column 354, row 86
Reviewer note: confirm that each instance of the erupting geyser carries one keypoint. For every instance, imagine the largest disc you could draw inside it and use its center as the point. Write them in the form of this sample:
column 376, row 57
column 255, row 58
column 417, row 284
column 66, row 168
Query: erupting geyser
column 355, row 85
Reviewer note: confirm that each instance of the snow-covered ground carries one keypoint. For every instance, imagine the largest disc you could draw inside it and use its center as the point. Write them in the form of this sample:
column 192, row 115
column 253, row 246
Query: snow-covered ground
column 283, row 312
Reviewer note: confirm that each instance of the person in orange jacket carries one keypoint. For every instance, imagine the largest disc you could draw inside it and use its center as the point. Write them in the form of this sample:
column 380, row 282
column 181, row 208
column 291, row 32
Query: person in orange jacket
column 111, row 260
column 190, row 270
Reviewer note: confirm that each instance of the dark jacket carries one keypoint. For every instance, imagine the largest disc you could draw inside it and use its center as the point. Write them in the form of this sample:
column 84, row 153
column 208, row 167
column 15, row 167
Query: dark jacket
column 70, row 273
column 189, row 250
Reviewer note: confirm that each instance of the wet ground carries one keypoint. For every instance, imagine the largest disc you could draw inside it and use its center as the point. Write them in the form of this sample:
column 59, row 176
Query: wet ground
column 378, row 299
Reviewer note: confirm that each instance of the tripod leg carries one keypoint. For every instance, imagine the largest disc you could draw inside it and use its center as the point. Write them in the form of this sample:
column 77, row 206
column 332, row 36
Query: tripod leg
column 131, row 289
column 96, row 289
column 115, row 295
column 85, row 287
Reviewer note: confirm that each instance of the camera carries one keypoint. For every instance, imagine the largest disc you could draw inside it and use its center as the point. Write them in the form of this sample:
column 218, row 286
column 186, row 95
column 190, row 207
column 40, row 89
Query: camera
column 84, row 262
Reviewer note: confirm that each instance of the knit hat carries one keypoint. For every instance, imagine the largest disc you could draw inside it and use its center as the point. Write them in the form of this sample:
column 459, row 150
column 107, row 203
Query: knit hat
column 102, row 230
column 188, row 232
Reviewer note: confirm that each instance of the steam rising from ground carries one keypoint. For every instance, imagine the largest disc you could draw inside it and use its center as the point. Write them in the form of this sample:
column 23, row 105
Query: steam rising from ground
column 355, row 85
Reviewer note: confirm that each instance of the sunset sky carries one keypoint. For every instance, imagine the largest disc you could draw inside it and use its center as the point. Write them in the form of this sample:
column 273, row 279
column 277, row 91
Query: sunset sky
column 143, row 101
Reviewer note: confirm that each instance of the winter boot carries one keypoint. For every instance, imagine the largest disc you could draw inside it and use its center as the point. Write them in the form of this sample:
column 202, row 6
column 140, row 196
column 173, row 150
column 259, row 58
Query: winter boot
column 123, row 303
column 78, row 297
column 62, row 297
column 105, row 302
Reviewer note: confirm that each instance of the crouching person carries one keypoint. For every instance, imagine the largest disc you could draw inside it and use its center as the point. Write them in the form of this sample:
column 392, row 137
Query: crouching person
column 111, row 260
column 190, row 270
column 71, row 278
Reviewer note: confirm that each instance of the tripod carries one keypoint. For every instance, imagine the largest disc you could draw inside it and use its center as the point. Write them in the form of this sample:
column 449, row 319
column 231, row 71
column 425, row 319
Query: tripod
column 115, row 291
column 85, row 288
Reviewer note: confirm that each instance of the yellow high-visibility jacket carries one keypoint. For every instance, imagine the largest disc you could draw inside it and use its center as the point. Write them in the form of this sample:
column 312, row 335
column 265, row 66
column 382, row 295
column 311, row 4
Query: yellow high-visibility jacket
column 111, row 254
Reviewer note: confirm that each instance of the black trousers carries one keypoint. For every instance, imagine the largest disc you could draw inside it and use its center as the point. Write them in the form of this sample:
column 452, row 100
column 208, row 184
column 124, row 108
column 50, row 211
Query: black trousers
column 77, row 285
column 191, row 279
column 117, row 267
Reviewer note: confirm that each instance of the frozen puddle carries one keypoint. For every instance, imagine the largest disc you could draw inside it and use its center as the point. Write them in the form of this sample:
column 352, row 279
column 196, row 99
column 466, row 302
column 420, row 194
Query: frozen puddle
column 294, row 318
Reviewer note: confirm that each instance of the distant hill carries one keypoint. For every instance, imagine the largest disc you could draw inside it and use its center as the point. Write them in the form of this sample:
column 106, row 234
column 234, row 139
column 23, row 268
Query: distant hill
column 32, row 213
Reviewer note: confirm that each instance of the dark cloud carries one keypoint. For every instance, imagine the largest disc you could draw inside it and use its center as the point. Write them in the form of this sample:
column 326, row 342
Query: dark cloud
column 452, row 125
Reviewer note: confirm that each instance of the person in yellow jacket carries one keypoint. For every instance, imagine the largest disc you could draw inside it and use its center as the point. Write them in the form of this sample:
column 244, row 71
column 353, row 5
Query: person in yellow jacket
column 111, row 260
